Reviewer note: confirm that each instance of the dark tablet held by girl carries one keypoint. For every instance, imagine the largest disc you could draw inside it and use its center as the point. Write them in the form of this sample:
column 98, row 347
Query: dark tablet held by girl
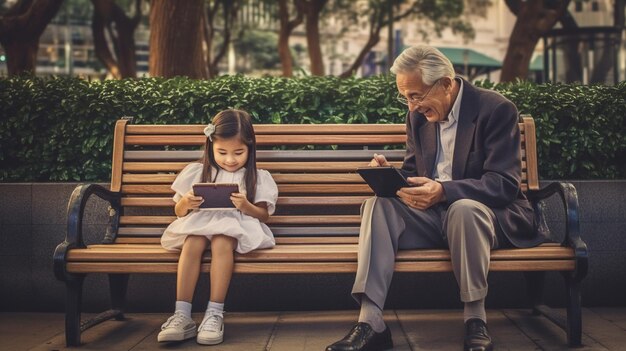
column 215, row 195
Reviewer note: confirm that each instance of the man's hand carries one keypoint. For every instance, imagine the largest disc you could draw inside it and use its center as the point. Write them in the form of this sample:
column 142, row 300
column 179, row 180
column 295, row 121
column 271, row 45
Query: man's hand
column 379, row 161
column 424, row 193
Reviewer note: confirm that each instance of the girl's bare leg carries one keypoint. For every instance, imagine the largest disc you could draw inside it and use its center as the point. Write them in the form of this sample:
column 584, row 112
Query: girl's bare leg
column 189, row 266
column 222, row 263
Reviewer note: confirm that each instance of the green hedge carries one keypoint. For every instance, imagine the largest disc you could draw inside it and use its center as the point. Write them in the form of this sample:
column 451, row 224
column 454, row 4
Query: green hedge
column 60, row 129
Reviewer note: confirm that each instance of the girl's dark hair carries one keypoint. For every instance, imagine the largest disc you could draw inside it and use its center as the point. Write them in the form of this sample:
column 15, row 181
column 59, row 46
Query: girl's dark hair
column 228, row 124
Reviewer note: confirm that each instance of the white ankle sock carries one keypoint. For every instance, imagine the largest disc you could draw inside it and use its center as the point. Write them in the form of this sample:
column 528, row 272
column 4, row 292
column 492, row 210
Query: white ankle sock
column 371, row 314
column 184, row 307
column 214, row 308
column 475, row 309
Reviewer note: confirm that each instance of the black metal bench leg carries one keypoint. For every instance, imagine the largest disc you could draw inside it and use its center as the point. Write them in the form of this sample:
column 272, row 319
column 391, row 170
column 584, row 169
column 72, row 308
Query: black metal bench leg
column 118, row 284
column 574, row 313
column 74, row 299
column 535, row 282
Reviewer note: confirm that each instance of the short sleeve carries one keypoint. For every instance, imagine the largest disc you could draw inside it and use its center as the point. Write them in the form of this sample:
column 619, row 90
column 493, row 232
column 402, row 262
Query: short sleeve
column 266, row 190
column 190, row 175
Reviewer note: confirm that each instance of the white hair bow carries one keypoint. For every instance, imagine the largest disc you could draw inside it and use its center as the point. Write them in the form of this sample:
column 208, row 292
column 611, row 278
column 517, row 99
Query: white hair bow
column 209, row 130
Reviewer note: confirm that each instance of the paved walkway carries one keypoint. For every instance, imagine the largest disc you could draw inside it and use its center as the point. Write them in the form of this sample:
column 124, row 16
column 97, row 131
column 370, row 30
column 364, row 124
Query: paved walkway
column 604, row 329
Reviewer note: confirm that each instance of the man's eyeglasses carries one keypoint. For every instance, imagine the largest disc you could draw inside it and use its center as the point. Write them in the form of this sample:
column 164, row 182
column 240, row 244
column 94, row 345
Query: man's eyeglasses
column 414, row 99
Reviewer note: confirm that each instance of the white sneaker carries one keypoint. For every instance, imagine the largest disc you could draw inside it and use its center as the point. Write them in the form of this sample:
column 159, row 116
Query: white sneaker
column 177, row 328
column 211, row 330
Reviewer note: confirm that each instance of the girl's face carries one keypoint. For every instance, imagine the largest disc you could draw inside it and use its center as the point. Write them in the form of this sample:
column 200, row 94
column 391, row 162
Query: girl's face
column 230, row 154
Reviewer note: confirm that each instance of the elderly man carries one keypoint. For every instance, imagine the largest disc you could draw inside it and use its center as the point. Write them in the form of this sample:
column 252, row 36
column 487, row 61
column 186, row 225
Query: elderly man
column 464, row 166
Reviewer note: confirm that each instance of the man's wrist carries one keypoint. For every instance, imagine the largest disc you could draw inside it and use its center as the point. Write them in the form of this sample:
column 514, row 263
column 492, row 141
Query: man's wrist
column 442, row 193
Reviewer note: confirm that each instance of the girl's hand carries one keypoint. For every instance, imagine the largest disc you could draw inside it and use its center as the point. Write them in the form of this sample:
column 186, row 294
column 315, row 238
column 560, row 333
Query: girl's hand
column 240, row 201
column 257, row 210
column 190, row 201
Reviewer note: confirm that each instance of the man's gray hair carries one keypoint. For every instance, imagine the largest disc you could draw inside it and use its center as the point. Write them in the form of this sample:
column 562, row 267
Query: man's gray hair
column 429, row 61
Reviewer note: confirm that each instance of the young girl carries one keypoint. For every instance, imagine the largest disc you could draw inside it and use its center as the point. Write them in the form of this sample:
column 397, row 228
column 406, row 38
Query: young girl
column 229, row 157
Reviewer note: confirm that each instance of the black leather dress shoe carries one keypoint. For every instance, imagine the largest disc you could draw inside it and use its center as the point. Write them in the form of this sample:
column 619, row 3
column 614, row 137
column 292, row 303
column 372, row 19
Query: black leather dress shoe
column 363, row 338
column 476, row 336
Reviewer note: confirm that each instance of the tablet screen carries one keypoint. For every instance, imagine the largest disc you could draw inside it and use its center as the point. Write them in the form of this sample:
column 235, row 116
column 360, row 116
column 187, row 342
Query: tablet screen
column 215, row 195
column 385, row 181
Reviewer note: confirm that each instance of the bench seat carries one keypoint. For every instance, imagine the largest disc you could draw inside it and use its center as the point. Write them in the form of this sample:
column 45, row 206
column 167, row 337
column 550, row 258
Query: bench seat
column 338, row 258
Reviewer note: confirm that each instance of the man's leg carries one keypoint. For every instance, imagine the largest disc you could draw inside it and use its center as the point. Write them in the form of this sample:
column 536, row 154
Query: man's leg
column 470, row 227
column 387, row 225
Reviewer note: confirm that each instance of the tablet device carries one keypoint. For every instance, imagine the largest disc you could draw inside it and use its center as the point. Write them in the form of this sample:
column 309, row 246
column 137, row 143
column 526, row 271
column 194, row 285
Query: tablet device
column 215, row 195
column 385, row 181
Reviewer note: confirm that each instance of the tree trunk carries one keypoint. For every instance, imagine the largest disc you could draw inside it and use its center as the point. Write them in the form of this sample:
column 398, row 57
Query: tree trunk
column 176, row 35
column 229, row 11
column 20, row 29
column 312, row 10
column 101, row 18
column 606, row 62
column 209, row 33
column 286, row 27
column 534, row 19
column 125, row 43
column 378, row 20
column 603, row 66
column 106, row 12
column 371, row 42
column 571, row 59
column 376, row 24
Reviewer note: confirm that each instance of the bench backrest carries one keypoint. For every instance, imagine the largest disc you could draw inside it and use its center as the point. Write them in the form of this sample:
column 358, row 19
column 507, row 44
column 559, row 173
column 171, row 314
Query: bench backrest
column 319, row 192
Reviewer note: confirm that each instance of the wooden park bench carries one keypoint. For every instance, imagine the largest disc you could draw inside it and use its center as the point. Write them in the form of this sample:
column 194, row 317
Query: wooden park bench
column 316, row 223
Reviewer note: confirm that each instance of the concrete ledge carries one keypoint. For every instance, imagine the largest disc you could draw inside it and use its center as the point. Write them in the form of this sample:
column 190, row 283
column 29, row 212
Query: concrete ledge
column 33, row 222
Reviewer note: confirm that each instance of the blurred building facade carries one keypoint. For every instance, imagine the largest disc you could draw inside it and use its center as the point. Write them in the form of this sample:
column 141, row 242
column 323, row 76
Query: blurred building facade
column 66, row 47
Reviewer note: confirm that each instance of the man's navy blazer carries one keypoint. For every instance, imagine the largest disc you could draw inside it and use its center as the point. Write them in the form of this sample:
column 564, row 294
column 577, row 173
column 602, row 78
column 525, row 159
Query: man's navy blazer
column 486, row 164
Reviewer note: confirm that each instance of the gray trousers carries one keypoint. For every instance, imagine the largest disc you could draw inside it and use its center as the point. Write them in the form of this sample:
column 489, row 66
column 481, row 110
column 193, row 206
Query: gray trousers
column 467, row 228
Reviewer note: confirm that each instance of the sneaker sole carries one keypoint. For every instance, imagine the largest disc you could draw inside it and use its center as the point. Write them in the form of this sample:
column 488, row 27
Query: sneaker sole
column 177, row 337
column 209, row 341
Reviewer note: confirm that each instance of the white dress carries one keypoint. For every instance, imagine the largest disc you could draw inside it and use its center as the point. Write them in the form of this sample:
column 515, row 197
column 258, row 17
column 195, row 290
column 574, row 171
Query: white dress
column 250, row 233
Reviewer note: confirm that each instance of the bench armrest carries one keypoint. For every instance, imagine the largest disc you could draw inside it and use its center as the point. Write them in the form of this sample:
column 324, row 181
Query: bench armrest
column 75, row 212
column 569, row 197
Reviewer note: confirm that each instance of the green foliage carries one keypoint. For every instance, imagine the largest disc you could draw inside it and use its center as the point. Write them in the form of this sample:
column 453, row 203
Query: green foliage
column 581, row 129
column 259, row 48
column 61, row 129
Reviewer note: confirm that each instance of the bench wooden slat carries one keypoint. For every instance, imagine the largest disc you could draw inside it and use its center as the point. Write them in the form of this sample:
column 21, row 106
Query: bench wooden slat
column 118, row 152
column 313, row 167
column 262, row 129
column 285, row 139
column 282, row 189
column 267, row 155
column 300, row 252
column 279, row 240
column 282, row 200
column 327, row 167
column 531, row 148
column 278, row 231
column 314, row 219
column 279, row 178
column 311, row 267
column 555, row 248
column 271, row 155
column 168, row 179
